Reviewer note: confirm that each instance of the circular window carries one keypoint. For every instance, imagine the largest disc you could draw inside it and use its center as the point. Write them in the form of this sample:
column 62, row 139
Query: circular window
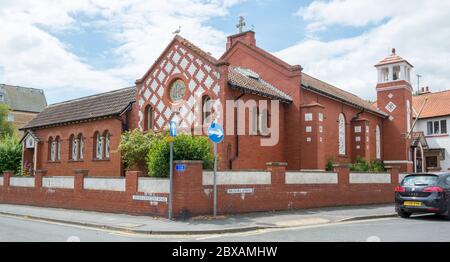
column 177, row 90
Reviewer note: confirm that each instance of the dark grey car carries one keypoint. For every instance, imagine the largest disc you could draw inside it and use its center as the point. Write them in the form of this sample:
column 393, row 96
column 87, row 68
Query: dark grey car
column 423, row 193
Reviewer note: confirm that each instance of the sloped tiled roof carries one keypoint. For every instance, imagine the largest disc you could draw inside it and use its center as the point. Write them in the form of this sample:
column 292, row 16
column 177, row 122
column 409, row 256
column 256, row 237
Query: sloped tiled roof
column 438, row 104
column 101, row 105
column 237, row 78
column 196, row 49
column 23, row 98
column 392, row 59
column 417, row 137
column 316, row 85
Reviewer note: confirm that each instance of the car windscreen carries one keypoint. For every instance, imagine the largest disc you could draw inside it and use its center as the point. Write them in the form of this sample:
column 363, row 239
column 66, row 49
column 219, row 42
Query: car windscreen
column 420, row 180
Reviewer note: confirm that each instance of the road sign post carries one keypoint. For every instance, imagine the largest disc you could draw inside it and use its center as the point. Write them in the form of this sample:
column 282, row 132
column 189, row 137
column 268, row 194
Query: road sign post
column 173, row 134
column 216, row 135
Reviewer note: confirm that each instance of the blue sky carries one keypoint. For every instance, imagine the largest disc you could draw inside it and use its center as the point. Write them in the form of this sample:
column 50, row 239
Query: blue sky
column 77, row 48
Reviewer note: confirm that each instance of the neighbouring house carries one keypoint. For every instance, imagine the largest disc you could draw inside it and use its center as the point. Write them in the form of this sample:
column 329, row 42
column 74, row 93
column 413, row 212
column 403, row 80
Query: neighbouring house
column 80, row 134
column 25, row 103
column 432, row 111
column 317, row 121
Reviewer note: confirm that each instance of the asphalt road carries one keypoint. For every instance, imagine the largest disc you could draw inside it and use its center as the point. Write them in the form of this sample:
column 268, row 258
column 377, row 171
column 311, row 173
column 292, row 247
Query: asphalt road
column 424, row 228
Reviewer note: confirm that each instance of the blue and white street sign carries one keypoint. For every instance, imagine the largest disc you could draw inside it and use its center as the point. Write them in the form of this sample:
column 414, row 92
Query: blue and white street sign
column 173, row 129
column 215, row 133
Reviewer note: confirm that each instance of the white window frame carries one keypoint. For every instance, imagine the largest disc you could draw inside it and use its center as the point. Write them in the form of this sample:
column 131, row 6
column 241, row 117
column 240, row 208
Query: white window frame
column 378, row 142
column 436, row 123
column 107, row 141
column 342, row 135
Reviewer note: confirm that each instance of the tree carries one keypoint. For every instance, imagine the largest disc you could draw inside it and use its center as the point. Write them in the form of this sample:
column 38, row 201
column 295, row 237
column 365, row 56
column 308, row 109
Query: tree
column 6, row 127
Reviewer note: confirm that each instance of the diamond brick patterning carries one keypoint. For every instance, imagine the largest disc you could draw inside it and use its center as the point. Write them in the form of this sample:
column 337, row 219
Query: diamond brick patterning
column 390, row 107
column 199, row 76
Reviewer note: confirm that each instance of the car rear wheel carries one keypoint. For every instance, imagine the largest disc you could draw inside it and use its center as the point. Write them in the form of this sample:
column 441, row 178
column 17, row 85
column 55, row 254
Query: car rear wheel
column 403, row 214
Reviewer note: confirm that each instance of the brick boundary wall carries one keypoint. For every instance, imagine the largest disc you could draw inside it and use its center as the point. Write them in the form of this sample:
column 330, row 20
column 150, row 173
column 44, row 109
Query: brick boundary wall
column 192, row 198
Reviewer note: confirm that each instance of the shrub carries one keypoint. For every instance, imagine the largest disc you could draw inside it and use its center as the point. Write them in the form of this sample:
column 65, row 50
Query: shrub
column 185, row 147
column 134, row 147
column 329, row 166
column 360, row 165
column 377, row 166
column 10, row 154
column 6, row 127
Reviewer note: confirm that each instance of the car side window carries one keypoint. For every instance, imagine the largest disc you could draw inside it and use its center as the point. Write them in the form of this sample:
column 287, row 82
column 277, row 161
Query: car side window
column 447, row 180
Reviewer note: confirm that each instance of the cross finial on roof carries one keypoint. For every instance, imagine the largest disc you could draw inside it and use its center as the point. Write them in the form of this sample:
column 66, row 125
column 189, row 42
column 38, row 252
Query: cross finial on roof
column 241, row 24
column 393, row 51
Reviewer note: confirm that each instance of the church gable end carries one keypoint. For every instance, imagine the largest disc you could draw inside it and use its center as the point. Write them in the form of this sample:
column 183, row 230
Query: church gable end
column 195, row 75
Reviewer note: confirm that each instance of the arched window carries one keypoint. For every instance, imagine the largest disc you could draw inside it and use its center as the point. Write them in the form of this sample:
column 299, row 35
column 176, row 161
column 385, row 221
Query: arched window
column 73, row 147
column 342, row 134
column 263, row 122
column 98, row 142
column 80, row 146
column 148, row 122
column 254, row 120
column 51, row 152
column 378, row 142
column 206, row 110
column 58, row 149
column 107, row 144
column 408, row 115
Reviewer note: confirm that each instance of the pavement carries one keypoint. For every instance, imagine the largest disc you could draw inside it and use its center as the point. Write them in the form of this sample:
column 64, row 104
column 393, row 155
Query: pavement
column 200, row 225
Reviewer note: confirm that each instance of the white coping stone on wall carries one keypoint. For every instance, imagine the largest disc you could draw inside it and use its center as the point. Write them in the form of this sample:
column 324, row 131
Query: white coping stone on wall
column 153, row 185
column 238, row 178
column 107, row 184
column 58, row 182
column 370, row 178
column 21, row 181
column 401, row 176
column 311, row 178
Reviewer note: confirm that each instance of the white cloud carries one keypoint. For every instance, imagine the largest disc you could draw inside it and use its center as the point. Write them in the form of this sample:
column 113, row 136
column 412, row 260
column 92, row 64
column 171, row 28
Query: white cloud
column 417, row 29
column 31, row 55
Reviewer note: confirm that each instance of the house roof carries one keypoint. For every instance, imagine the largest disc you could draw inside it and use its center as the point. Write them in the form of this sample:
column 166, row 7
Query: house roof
column 418, row 137
column 438, row 104
column 23, row 98
column 248, row 81
column 318, row 86
column 90, row 107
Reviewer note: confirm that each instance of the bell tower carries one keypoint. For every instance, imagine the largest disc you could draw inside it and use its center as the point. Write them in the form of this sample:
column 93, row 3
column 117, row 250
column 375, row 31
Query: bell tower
column 394, row 96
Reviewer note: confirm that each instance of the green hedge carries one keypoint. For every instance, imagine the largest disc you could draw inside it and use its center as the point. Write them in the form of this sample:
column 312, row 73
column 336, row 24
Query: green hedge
column 10, row 154
column 185, row 147
column 134, row 147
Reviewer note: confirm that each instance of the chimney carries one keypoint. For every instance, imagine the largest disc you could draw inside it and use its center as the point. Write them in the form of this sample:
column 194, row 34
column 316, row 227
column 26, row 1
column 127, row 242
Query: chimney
column 246, row 37
column 425, row 90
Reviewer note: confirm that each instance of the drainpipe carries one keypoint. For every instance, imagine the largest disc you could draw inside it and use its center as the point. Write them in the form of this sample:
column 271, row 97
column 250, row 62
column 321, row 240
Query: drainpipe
column 236, row 151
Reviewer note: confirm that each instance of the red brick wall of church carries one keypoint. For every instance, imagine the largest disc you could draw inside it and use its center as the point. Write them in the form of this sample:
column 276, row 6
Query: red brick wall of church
column 287, row 81
column 330, row 135
column 65, row 167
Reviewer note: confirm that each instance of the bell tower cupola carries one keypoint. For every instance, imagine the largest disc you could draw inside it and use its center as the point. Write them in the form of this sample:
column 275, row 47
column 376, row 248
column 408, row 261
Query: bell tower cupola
column 394, row 97
column 394, row 68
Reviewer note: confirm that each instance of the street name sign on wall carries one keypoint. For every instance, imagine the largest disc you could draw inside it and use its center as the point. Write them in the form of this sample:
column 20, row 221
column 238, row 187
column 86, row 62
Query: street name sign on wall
column 240, row 191
column 180, row 167
column 150, row 198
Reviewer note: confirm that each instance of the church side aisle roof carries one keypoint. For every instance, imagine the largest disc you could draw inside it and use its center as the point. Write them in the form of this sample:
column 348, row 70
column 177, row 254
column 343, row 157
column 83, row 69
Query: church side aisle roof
column 318, row 86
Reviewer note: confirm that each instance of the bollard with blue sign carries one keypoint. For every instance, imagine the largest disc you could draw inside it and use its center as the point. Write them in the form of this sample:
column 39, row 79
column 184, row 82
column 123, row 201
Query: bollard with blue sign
column 173, row 134
column 216, row 135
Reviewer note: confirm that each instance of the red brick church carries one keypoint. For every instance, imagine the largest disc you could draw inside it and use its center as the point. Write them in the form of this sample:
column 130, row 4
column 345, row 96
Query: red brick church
column 315, row 120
